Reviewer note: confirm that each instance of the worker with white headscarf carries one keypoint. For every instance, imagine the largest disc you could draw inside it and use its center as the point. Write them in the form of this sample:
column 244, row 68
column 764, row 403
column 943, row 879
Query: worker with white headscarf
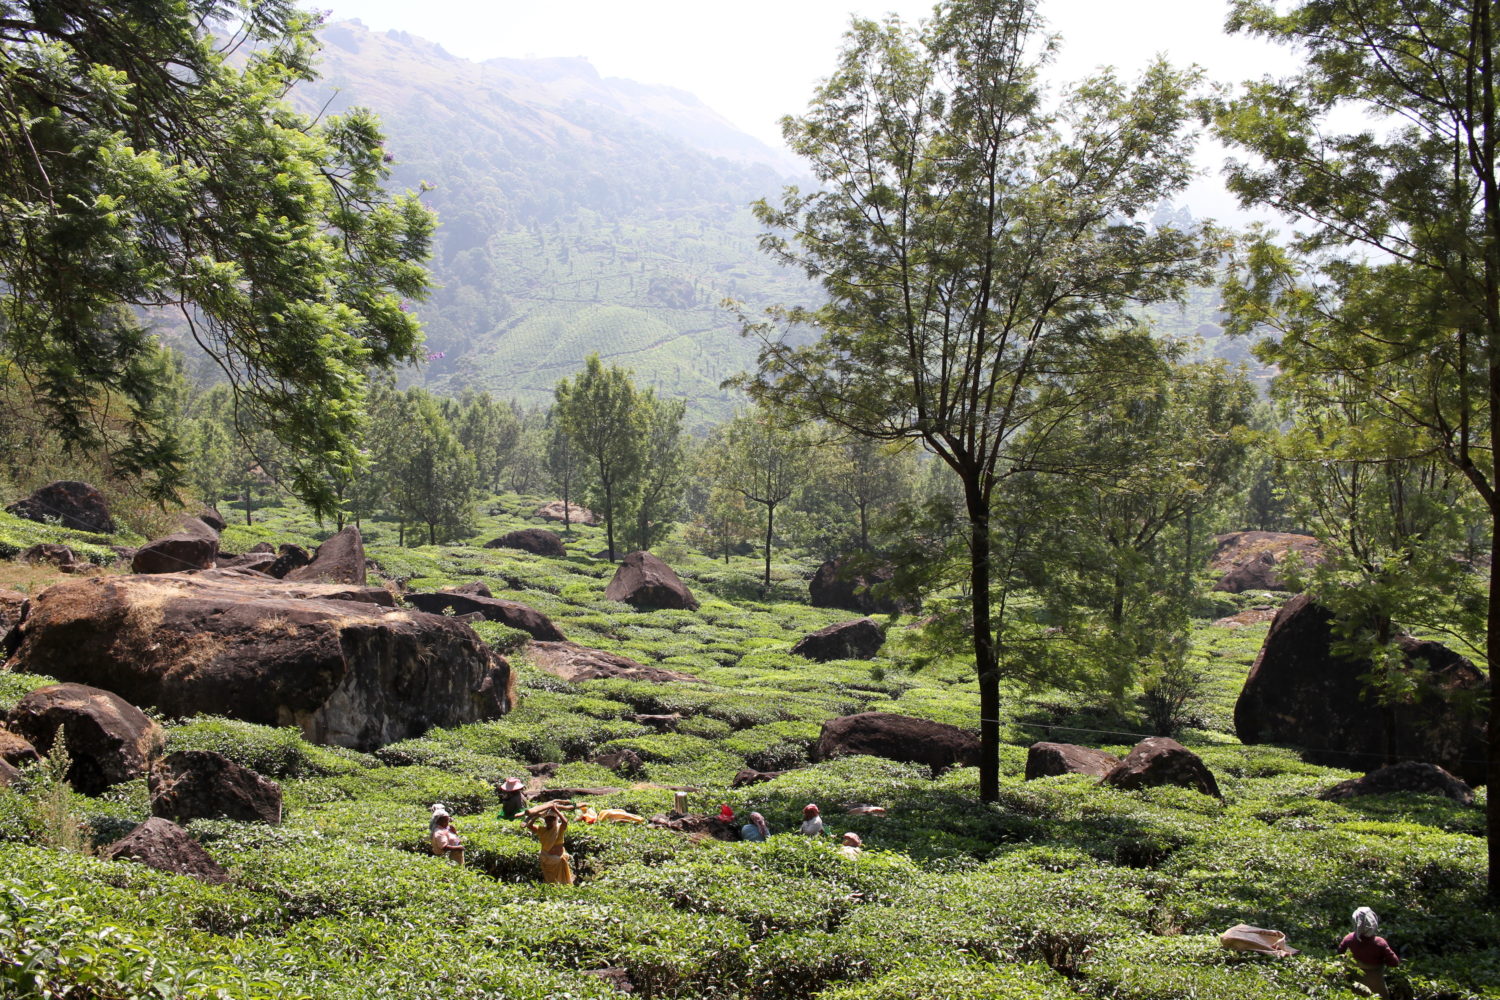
column 1370, row 951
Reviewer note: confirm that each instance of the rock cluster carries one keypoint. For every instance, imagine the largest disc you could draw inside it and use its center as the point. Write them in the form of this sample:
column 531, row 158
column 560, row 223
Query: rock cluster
column 535, row 540
column 510, row 613
column 837, row 585
column 108, row 739
column 574, row 663
column 860, row 639
column 897, row 737
column 556, row 510
column 1298, row 692
column 1043, row 760
column 1257, row 560
column 1160, row 760
column 336, row 661
column 644, row 581
column 74, row 505
column 202, row 784
column 1407, row 776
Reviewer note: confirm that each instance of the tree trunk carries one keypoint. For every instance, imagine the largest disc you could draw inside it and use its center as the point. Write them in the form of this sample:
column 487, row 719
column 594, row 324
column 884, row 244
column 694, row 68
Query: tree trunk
column 986, row 656
column 609, row 521
column 864, row 528
column 1489, row 138
column 770, row 520
column 249, row 502
column 1492, row 655
column 431, row 533
column 567, row 511
column 1387, row 698
column 1187, row 553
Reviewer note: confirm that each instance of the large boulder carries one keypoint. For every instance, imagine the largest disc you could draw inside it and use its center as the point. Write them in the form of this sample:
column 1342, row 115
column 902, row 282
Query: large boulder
column 211, row 517
column 573, row 663
column 288, row 558
column 7, row 774
column 556, row 510
column 12, row 609
column 1258, row 560
column 837, row 584
column 1043, row 760
column 161, row 844
column 1298, row 692
column 193, row 546
column 190, row 525
column 342, row 669
column 74, row 505
column 1160, row 760
column 109, row 739
column 536, row 540
column 897, row 737
column 511, row 613
column 340, row 559
column 260, row 562
column 750, row 776
column 202, row 784
column 644, row 581
column 475, row 588
column 860, row 639
column 1407, row 776
column 49, row 552
column 16, row 750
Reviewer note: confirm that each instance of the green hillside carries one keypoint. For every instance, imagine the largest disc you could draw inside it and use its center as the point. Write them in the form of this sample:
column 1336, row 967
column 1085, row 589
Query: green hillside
column 1062, row 890
column 576, row 214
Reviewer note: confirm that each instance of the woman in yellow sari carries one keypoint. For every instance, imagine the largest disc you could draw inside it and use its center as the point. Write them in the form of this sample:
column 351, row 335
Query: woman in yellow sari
column 555, row 867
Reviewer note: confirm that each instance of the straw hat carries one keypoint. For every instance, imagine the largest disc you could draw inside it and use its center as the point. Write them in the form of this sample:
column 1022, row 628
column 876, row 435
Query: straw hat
column 512, row 785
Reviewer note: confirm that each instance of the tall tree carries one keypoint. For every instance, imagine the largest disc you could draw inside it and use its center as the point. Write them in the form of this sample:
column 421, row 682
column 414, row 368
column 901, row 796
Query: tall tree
column 977, row 250
column 488, row 429
column 1393, row 281
column 562, row 465
column 871, row 476
column 657, row 497
column 763, row 461
column 433, row 476
column 1113, row 549
column 600, row 411
column 140, row 166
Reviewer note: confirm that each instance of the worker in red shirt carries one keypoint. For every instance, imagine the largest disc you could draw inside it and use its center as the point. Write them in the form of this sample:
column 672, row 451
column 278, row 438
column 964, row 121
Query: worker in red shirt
column 1370, row 951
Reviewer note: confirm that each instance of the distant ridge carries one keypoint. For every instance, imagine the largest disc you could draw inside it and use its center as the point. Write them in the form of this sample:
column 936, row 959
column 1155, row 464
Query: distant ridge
column 577, row 213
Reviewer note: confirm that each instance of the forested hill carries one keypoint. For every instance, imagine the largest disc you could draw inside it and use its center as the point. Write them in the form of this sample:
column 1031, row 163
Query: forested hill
column 577, row 213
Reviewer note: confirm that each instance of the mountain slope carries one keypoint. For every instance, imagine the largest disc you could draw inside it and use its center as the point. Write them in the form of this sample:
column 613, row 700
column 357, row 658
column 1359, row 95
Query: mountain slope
column 577, row 212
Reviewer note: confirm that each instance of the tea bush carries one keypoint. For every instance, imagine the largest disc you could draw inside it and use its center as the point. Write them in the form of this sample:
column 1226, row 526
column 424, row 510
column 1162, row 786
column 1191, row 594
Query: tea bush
column 1064, row 889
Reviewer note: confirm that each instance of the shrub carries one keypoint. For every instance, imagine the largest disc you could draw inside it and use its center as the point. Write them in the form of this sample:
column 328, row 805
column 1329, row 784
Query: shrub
column 273, row 752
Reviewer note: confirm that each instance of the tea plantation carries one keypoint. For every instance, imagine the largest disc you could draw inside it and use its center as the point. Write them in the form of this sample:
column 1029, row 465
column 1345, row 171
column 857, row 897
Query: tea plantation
column 1063, row 890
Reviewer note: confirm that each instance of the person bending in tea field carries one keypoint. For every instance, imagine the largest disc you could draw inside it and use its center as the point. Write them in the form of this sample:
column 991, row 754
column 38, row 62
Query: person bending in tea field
column 812, row 821
column 512, row 797
column 851, row 846
column 1370, row 952
column 438, row 809
column 445, row 843
column 756, row 829
column 555, row 867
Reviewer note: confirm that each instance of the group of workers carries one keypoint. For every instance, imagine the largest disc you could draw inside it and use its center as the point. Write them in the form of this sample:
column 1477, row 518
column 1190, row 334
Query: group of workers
column 755, row 829
column 548, row 822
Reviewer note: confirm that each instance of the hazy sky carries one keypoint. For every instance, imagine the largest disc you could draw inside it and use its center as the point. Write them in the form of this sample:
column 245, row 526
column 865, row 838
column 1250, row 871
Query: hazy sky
column 755, row 62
